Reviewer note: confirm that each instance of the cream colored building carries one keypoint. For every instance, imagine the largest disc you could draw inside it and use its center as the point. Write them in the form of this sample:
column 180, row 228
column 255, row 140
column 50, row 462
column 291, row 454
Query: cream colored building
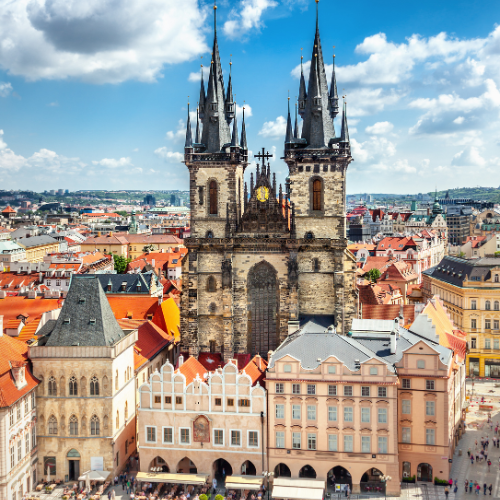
column 85, row 362
column 18, row 446
column 37, row 247
column 196, row 420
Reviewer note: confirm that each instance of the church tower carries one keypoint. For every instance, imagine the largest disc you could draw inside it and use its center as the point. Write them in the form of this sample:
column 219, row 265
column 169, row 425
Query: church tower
column 217, row 158
column 317, row 162
column 262, row 259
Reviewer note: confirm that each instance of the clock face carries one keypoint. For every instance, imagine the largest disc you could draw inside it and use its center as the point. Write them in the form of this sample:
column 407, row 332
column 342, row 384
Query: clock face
column 262, row 193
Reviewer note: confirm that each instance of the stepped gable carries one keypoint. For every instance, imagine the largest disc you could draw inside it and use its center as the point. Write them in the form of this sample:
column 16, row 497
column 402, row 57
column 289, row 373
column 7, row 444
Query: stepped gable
column 86, row 317
column 264, row 210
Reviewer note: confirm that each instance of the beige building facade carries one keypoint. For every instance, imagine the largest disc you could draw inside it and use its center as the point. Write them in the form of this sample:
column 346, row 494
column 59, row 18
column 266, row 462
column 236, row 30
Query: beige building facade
column 194, row 420
column 85, row 363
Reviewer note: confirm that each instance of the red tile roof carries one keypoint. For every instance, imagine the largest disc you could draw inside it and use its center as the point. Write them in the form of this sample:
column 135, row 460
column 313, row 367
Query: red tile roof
column 190, row 368
column 210, row 361
column 8, row 210
column 14, row 352
column 256, row 369
column 11, row 307
column 388, row 311
column 133, row 307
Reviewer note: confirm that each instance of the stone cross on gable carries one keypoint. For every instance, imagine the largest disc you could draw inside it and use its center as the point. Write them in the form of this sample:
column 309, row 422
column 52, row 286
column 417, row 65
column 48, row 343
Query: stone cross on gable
column 264, row 156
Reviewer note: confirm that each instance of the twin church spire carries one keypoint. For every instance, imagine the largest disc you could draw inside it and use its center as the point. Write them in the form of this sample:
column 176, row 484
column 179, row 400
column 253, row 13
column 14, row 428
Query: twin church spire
column 217, row 109
column 318, row 105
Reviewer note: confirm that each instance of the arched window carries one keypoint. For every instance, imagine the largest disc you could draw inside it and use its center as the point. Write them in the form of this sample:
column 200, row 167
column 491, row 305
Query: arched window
column 317, row 190
column 487, row 305
column 52, row 425
column 496, row 305
column 73, row 426
column 94, row 426
column 116, row 381
column 209, row 234
column 496, row 278
column 52, row 386
column 213, row 198
column 73, row 387
column 117, row 419
column 94, row 386
column 125, row 376
column 126, row 410
column 316, row 265
column 211, row 284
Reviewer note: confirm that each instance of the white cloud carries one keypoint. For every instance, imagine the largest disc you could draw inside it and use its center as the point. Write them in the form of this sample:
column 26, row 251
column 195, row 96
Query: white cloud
column 114, row 163
column 274, row 129
column 169, row 156
column 5, row 89
column 239, row 111
column 468, row 157
column 179, row 135
column 379, row 128
column 374, row 150
column 98, row 41
column 445, row 112
column 364, row 101
column 196, row 75
column 248, row 17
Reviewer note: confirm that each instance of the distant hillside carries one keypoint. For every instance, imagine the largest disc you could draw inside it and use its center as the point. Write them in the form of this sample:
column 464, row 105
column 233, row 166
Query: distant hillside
column 476, row 193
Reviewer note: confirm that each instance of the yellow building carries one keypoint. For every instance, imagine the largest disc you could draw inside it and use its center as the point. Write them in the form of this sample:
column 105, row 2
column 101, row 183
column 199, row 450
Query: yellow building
column 110, row 243
column 470, row 290
column 131, row 245
column 37, row 247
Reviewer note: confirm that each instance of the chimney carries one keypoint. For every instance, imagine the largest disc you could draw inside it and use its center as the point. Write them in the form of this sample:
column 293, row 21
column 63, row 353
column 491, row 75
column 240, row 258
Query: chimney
column 393, row 336
column 180, row 361
column 1, row 325
column 153, row 263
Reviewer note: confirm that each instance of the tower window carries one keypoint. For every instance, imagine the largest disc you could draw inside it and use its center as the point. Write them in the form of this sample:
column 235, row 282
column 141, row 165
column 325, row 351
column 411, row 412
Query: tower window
column 211, row 284
column 317, row 189
column 316, row 265
column 213, row 198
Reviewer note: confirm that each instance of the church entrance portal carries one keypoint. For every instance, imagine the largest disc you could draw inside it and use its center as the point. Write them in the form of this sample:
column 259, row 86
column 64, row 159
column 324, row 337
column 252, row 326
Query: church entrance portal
column 263, row 307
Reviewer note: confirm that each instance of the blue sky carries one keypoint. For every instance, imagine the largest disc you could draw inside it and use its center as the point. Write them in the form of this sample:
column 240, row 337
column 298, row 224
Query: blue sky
column 93, row 94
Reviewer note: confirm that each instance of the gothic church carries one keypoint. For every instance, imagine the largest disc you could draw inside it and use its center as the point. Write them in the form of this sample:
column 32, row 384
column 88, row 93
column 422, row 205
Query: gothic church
column 262, row 259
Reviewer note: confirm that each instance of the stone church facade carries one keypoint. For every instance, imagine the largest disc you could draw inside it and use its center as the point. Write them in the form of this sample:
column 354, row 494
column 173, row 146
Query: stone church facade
column 263, row 259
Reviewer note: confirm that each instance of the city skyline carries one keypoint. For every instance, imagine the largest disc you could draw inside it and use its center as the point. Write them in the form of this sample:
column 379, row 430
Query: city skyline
column 102, row 105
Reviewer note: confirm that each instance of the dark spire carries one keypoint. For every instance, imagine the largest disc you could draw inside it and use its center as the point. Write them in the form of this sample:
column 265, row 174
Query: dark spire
column 202, row 96
column 289, row 131
column 251, row 182
column 189, row 133
column 243, row 142
column 245, row 201
column 230, row 104
column 296, row 129
column 274, row 183
column 197, row 137
column 302, row 89
column 344, row 133
column 334, row 98
column 216, row 131
column 234, row 140
column 317, row 128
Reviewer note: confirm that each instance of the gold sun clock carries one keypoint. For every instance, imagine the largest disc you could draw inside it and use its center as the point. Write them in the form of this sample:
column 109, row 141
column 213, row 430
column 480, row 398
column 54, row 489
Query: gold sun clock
column 262, row 193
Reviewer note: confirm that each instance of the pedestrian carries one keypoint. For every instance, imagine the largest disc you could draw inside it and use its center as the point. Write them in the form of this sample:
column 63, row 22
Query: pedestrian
column 347, row 491
column 446, row 491
column 455, row 489
column 484, row 487
column 129, row 489
column 490, row 487
column 468, row 452
column 489, row 465
column 113, row 494
column 471, row 484
column 478, row 489
column 109, row 495
column 466, row 485
column 472, row 461
column 214, row 484
column 476, row 444
column 223, row 474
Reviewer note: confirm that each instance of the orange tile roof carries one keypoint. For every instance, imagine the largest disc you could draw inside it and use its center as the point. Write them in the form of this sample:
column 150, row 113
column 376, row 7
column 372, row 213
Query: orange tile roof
column 28, row 332
column 8, row 210
column 12, row 323
column 13, row 352
column 256, row 369
column 190, row 368
column 388, row 311
column 168, row 318
column 151, row 339
column 138, row 307
column 11, row 307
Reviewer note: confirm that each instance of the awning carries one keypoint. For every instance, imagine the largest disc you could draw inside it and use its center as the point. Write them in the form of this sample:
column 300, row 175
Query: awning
column 298, row 489
column 95, row 475
column 244, row 482
column 296, row 493
column 165, row 477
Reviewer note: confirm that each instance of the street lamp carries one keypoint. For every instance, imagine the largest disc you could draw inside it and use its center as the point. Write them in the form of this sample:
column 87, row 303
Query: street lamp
column 267, row 475
column 385, row 479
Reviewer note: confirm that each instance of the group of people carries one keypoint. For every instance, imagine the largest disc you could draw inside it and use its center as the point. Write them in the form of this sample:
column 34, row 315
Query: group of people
column 471, row 486
column 128, row 483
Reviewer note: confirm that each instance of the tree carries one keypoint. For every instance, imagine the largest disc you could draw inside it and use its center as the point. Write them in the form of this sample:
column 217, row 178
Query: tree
column 123, row 213
column 121, row 263
column 149, row 248
column 461, row 254
column 373, row 274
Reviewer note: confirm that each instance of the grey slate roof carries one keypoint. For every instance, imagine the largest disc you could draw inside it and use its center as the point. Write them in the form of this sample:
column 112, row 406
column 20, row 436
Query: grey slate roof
column 86, row 318
column 311, row 345
column 131, row 280
column 35, row 241
column 453, row 270
column 47, row 328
